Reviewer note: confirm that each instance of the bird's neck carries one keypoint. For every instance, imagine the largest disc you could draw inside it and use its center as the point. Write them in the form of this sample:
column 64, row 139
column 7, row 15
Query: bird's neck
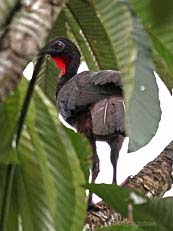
column 68, row 67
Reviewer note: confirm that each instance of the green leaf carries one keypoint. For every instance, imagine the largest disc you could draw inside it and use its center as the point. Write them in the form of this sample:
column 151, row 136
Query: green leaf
column 76, row 30
column 48, row 75
column 9, row 116
column 83, row 151
column 47, row 78
column 144, row 114
column 149, row 215
column 33, row 199
column 154, row 215
column 133, row 51
column 3, row 178
column 116, row 197
column 59, row 27
column 49, row 178
column 118, row 23
column 9, row 112
column 160, row 11
column 13, row 219
column 8, row 174
column 120, row 227
column 9, row 156
column 157, row 15
column 94, row 32
column 160, row 29
column 49, row 193
column 163, row 71
column 65, row 167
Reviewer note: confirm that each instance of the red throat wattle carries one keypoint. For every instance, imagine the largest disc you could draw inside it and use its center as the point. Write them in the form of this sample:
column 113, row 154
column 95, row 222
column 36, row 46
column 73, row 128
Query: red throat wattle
column 60, row 63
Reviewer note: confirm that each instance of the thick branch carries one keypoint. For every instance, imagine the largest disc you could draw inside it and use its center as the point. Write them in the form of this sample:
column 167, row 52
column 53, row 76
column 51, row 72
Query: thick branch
column 156, row 177
column 23, row 39
column 153, row 180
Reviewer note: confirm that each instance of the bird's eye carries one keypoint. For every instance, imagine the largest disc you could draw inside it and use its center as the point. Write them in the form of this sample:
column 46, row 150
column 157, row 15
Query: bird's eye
column 59, row 44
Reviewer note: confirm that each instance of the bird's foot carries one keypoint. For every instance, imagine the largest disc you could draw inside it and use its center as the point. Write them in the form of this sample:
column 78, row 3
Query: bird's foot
column 93, row 207
column 126, row 181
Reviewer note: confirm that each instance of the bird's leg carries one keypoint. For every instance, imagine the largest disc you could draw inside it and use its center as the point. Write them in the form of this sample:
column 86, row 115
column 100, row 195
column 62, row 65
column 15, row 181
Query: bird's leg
column 114, row 158
column 115, row 145
column 94, row 172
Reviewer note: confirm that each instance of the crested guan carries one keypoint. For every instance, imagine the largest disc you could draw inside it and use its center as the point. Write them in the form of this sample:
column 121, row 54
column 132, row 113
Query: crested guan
column 91, row 101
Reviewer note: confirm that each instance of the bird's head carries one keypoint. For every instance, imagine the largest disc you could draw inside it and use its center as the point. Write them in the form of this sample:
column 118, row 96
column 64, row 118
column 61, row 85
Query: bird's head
column 65, row 54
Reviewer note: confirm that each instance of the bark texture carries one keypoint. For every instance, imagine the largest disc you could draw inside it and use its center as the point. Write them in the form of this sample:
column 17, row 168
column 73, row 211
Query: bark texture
column 25, row 33
column 153, row 180
column 156, row 177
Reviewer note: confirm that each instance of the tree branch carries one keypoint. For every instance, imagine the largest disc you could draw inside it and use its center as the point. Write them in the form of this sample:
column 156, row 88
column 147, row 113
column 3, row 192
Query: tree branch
column 156, row 177
column 153, row 180
column 23, row 38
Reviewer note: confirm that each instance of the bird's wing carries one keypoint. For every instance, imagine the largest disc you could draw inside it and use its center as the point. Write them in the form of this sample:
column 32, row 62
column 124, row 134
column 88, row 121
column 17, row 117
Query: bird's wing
column 85, row 89
column 106, row 76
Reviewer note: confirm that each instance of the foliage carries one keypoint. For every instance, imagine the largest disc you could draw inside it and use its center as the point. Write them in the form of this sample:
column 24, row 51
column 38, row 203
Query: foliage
column 148, row 215
column 48, row 175
column 43, row 165
column 159, row 28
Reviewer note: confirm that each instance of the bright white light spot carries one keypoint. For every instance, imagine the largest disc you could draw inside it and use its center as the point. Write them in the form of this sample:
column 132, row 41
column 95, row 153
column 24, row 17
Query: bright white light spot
column 65, row 123
column 142, row 88
column 83, row 67
column 137, row 200
column 28, row 71
column 36, row 6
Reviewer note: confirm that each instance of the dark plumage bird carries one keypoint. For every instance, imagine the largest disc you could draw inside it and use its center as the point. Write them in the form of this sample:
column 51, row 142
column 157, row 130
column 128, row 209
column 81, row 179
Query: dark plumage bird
column 91, row 101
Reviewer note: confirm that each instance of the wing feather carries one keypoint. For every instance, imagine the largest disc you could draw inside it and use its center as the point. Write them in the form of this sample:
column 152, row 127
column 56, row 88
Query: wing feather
column 85, row 89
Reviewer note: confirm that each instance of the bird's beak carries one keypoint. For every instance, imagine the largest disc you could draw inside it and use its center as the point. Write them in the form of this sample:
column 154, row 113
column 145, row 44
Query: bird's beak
column 46, row 50
column 49, row 50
